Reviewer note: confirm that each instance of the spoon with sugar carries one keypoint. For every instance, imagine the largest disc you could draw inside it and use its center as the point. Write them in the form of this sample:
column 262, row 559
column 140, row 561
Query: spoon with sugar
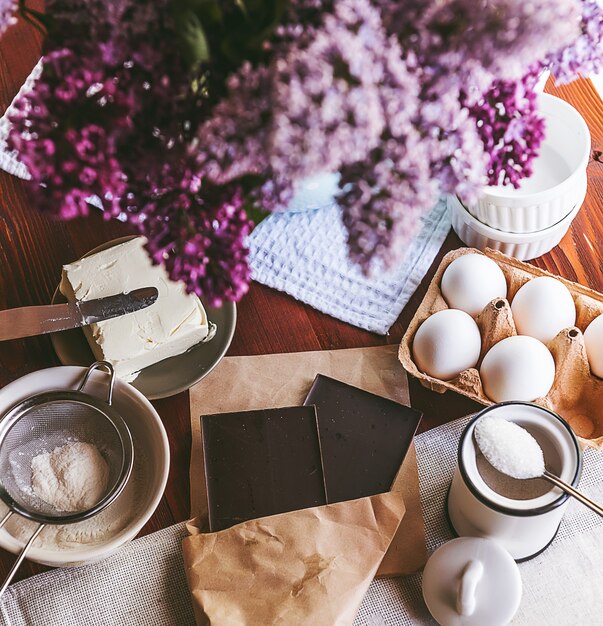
column 513, row 451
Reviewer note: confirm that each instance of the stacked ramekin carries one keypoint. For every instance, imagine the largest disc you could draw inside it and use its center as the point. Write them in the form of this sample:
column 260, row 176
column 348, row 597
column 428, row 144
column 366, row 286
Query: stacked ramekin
column 529, row 221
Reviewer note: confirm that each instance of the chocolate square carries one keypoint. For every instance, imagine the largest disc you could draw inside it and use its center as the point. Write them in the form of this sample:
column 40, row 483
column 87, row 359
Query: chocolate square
column 364, row 438
column 260, row 463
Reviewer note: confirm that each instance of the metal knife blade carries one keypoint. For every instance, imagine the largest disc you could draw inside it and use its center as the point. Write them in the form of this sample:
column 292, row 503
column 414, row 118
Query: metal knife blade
column 38, row 320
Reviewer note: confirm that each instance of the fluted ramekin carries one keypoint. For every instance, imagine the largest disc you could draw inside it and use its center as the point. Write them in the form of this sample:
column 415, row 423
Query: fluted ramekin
column 523, row 246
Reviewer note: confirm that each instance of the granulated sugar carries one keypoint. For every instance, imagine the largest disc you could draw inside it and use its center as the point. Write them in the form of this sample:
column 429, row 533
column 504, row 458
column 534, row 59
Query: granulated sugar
column 509, row 448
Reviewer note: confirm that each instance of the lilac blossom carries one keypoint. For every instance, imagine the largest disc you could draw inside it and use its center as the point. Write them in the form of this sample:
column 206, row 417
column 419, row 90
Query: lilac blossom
column 328, row 109
column 453, row 71
column 233, row 141
column 405, row 99
column 504, row 37
column 314, row 108
column 512, row 132
column 324, row 103
column 8, row 10
column 72, row 162
column 584, row 56
column 455, row 151
column 201, row 240
column 382, row 200
column 110, row 117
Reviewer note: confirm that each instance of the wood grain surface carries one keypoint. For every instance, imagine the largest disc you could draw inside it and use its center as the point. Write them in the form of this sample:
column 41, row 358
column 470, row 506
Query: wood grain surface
column 33, row 248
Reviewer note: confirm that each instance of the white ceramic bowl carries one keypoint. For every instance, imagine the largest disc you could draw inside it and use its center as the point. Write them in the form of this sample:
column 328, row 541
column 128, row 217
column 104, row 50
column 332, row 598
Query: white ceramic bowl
column 523, row 246
column 150, row 444
column 555, row 186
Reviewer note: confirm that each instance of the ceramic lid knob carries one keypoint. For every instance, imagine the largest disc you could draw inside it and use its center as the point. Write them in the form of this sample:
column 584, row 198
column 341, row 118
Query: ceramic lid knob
column 472, row 581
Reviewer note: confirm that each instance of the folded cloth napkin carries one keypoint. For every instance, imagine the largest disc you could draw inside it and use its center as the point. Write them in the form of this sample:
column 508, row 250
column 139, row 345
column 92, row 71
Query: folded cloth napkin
column 304, row 254
column 8, row 160
column 303, row 251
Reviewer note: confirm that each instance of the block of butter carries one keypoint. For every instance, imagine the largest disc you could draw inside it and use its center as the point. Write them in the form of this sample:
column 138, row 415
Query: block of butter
column 170, row 326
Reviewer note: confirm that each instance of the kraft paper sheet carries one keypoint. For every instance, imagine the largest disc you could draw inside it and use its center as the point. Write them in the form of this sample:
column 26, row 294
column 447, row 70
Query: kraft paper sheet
column 275, row 380
column 311, row 566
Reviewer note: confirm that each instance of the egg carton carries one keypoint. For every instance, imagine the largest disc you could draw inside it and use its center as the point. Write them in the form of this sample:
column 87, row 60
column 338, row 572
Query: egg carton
column 576, row 394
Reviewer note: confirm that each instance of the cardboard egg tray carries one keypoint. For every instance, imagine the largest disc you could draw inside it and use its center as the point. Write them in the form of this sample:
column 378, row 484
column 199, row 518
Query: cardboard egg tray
column 576, row 394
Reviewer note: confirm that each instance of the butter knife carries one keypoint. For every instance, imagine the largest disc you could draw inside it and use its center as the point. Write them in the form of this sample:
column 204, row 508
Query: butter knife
column 38, row 320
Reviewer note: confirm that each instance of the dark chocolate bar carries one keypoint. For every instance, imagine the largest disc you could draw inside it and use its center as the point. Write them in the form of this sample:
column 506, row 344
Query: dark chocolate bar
column 364, row 438
column 261, row 463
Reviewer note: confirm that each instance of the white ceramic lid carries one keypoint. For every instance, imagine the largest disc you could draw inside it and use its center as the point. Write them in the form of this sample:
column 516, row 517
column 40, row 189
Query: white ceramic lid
column 472, row 581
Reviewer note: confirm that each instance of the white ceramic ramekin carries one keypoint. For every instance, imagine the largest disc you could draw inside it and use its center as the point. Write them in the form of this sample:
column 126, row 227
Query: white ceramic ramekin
column 150, row 444
column 552, row 191
column 523, row 527
column 523, row 246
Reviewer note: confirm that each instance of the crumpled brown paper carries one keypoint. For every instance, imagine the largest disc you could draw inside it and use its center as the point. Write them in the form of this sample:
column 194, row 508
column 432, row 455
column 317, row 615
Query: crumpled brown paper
column 275, row 380
column 305, row 567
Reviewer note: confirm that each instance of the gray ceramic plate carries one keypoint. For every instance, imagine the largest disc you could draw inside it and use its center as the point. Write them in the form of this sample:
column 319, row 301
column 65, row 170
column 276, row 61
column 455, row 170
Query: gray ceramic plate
column 167, row 377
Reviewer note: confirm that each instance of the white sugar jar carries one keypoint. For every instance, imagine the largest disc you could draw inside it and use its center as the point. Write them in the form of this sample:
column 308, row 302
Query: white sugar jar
column 522, row 515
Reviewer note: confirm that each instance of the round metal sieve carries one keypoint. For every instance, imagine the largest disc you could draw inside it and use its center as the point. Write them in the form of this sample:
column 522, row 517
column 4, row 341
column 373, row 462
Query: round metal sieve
column 41, row 423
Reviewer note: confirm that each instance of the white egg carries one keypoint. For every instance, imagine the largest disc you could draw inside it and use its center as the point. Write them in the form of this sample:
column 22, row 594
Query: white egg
column 593, row 340
column 517, row 368
column 447, row 343
column 543, row 307
column 471, row 281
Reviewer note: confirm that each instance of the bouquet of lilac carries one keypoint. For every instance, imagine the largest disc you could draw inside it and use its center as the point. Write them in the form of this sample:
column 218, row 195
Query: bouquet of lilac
column 188, row 117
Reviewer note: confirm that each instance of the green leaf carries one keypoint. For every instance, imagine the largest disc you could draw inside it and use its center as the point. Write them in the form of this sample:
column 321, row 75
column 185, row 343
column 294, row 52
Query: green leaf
column 195, row 45
column 241, row 5
column 244, row 27
column 255, row 214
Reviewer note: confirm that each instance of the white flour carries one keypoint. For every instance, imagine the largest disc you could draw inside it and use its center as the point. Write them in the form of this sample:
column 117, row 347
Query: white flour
column 96, row 530
column 71, row 478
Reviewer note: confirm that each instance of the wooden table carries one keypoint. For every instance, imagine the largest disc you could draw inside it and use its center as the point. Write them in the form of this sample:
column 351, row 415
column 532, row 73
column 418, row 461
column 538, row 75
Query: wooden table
column 33, row 248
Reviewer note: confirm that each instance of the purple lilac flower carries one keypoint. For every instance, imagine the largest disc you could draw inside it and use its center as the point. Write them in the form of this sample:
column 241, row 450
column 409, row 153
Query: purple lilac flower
column 382, row 200
column 404, row 98
column 327, row 104
column 111, row 117
column 453, row 147
column 201, row 241
column 585, row 55
column 504, row 37
column 8, row 10
column 233, row 141
column 460, row 73
column 69, row 163
column 511, row 130
column 93, row 101
column 319, row 104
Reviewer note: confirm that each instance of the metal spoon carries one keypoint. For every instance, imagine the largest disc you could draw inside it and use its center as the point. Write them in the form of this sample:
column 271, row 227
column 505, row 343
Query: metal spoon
column 513, row 451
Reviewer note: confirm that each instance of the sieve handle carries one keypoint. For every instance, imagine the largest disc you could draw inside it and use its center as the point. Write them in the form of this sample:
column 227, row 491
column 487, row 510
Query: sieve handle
column 15, row 567
column 97, row 366
column 6, row 518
